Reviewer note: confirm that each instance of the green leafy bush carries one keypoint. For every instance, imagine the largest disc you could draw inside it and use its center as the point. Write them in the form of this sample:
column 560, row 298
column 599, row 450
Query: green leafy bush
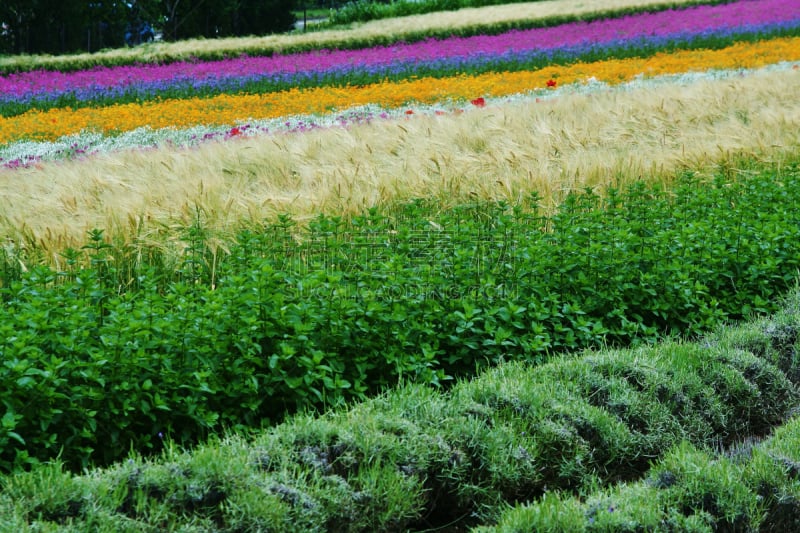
column 554, row 438
column 111, row 353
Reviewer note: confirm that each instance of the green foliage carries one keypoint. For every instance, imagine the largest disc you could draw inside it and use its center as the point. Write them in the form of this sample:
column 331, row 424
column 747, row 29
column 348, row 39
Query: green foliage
column 47, row 26
column 224, row 18
column 750, row 487
column 55, row 27
column 612, row 440
column 109, row 354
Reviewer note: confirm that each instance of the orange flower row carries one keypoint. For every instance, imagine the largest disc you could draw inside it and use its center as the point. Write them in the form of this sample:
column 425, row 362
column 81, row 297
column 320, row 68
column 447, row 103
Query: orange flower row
column 229, row 109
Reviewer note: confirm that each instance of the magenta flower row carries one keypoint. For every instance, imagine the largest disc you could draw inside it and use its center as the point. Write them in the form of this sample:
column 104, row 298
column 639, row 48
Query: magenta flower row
column 698, row 19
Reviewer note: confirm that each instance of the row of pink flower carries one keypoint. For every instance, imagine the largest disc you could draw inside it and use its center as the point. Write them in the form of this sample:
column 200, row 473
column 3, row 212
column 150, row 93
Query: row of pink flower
column 646, row 25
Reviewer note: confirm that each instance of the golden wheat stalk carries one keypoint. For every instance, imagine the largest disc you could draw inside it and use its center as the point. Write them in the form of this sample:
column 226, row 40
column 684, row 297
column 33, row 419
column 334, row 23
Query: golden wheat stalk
column 553, row 146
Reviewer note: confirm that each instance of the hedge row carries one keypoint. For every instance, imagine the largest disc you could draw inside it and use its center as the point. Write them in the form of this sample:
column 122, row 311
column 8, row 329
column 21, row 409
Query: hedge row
column 418, row 459
column 752, row 487
column 742, row 485
column 101, row 358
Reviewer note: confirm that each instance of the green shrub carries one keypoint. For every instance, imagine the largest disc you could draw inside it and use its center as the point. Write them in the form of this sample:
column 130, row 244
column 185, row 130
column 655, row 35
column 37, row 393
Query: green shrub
column 535, row 435
column 751, row 486
column 112, row 353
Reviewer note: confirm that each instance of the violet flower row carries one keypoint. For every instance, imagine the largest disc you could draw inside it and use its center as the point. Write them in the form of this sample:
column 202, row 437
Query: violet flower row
column 466, row 54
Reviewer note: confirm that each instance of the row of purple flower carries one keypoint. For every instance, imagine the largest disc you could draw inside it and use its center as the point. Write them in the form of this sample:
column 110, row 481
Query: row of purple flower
column 628, row 35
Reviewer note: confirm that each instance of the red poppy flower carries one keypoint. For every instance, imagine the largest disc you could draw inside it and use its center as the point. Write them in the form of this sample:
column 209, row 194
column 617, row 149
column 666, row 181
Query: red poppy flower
column 409, row 112
column 479, row 102
column 551, row 83
column 235, row 131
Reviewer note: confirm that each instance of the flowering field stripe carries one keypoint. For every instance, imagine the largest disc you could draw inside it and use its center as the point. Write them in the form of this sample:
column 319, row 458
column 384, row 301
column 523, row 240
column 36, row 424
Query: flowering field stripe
column 86, row 144
column 640, row 34
column 495, row 19
column 230, row 109
column 353, row 74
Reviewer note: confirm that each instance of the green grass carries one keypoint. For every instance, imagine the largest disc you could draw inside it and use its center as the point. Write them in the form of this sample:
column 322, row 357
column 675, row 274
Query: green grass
column 367, row 10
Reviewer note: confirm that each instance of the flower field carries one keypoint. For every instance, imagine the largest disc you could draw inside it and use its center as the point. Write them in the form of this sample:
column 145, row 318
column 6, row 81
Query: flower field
column 42, row 105
column 531, row 238
column 515, row 50
column 229, row 109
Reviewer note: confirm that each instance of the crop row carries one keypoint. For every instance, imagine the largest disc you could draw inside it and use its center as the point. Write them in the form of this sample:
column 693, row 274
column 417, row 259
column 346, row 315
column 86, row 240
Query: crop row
column 632, row 36
column 751, row 488
column 85, row 144
column 442, row 25
column 103, row 357
column 229, row 109
column 364, row 10
column 418, row 459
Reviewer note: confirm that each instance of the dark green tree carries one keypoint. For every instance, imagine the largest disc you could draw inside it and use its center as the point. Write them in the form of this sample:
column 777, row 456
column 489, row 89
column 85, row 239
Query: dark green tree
column 54, row 26
column 18, row 19
column 10, row 25
column 257, row 17
column 106, row 24
column 59, row 26
column 66, row 26
column 223, row 18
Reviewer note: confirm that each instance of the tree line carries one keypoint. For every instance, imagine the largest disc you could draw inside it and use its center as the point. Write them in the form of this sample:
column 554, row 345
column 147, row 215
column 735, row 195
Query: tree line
column 67, row 26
